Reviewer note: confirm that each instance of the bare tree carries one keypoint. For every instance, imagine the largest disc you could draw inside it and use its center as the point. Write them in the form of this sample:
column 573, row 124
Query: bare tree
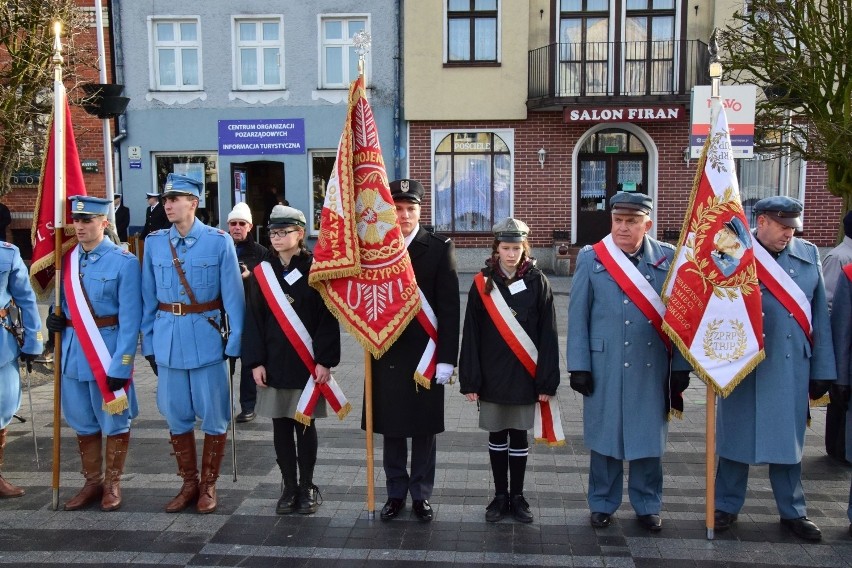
column 26, row 76
column 800, row 53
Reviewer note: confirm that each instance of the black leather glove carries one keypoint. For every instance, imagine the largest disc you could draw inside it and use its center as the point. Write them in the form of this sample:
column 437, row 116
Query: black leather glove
column 153, row 363
column 582, row 382
column 818, row 388
column 840, row 396
column 679, row 381
column 56, row 323
column 115, row 384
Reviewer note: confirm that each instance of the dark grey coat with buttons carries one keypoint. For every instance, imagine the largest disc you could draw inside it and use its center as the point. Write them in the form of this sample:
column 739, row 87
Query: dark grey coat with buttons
column 625, row 417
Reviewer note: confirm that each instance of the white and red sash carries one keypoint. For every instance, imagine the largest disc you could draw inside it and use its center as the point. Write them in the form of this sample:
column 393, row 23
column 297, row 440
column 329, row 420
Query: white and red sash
column 548, row 423
column 429, row 360
column 633, row 283
column 302, row 342
column 87, row 332
column 784, row 288
column 847, row 270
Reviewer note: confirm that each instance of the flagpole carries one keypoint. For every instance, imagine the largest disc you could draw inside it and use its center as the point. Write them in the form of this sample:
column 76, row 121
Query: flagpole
column 361, row 41
column 710, row 423
column 58, row 228
column 107, row 134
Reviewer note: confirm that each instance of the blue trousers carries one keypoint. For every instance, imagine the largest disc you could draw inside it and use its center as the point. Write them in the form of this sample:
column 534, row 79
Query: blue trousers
column 786, row 480
column 183, row 394
column 82, row 407
column 422, row 478
column 644, row 484
column 10, row 391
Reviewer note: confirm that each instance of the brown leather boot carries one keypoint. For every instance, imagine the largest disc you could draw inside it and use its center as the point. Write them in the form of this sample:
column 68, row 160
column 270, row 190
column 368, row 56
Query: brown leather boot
column 116, row 453
column 90, row 456
column 187, row 461
column 7, row 489
column 211, row 461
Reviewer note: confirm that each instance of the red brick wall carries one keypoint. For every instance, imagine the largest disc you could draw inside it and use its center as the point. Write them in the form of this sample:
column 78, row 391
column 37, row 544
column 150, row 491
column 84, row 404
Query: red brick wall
column 542, row 197
column 87, row 131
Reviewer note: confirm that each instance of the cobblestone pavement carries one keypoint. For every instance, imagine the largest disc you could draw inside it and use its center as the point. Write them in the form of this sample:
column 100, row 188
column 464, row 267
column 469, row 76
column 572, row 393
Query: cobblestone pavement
column 245, row 531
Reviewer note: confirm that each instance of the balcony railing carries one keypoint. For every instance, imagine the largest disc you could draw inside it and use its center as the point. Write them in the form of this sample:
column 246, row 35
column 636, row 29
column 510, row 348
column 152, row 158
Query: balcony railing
column 649, row 69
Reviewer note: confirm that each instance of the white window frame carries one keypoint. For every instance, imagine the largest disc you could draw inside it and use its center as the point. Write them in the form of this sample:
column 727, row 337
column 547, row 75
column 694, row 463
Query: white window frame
column 499, row 38
column 318, row 153
column 259, row 45
column 321, row 45
column 154, row 45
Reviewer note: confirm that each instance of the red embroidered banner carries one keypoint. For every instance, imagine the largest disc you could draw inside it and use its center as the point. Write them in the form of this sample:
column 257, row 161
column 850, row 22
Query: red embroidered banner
column 361, row 266
column 42, row 269
column 712, row 295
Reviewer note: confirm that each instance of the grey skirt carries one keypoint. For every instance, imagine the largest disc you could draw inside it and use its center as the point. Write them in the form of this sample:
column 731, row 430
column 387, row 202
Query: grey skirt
column 282, row 403
column 494, row 417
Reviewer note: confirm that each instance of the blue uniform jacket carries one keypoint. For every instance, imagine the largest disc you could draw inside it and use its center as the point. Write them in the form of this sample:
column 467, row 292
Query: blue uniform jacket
column 209, row 260
column 110, row 276
column 763, row 419
column 15, row 285
column 608, row 335
column 841, row 331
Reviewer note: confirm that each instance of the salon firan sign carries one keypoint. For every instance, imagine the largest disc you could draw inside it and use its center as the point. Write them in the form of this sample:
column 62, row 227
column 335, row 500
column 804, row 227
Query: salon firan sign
column 641, row 113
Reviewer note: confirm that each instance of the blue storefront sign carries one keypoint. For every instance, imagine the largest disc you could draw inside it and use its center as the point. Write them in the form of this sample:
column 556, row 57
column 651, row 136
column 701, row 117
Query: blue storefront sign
column 269, row 136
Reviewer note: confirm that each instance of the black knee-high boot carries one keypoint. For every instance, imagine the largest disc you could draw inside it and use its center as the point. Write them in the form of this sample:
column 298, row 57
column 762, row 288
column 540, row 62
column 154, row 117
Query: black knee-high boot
column 285, row 451
column 306, row 439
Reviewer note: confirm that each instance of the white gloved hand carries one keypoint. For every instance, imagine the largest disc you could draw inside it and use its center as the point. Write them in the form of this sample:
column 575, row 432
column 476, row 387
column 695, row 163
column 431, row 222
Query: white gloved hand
column 443, row 373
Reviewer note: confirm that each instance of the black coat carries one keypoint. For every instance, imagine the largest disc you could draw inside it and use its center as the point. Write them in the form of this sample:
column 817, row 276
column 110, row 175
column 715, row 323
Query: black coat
column 250, row 252
column 155, row 220
column 488, row 367
column 400, row 407
column 122, row 222
column 265, row 344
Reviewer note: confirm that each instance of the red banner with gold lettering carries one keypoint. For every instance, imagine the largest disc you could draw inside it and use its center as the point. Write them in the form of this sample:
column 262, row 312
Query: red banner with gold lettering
column 42, row 268
column 361, row 266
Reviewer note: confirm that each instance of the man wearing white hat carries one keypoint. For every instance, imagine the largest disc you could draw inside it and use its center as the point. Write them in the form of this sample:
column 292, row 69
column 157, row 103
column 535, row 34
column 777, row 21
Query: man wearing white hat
column 249, row 254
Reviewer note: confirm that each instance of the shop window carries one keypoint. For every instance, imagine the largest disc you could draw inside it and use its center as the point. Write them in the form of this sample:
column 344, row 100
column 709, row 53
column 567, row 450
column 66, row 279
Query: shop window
column 259, row 54
column 338, row 53
column 322, row 164
column 176, row 47
column 766, row 175
column 472, row 31
column 473, row 182
column 198, row 166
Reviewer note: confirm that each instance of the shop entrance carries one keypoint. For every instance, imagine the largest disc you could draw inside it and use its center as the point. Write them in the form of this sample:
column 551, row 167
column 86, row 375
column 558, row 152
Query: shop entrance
column 260, row 184
column 609, row 161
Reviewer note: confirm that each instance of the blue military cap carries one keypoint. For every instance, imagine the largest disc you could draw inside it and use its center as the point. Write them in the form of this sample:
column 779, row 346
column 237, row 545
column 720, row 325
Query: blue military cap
column 510, row 230
column 177, row 184
column 407, row 190
column 785, row 210
column 736, row 225
column 629, row 203
column 86, row 207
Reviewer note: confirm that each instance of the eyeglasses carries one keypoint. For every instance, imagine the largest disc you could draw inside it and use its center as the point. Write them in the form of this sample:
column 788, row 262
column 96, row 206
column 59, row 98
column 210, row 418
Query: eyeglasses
column 235, row 223
column 282, row 233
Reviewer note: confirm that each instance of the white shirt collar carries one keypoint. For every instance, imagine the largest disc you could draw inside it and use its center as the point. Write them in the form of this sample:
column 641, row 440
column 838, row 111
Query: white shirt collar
column 411, row 236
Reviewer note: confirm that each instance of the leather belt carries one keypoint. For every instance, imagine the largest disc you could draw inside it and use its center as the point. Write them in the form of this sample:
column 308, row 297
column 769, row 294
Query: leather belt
column 180, row 309
column 106, row 321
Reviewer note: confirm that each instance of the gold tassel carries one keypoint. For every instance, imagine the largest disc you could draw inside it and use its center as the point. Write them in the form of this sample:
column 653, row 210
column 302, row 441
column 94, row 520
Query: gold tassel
column 549, row 443
column 344, row 411
column 422, row 381
column 117, row 406
column 674, row 414
column 821, row 401
column 302, row 418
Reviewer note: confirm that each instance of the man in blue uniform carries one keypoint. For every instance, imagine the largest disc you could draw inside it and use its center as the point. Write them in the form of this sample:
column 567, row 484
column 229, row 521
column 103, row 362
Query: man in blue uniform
column 190, row 277
column 14, row 285
column 620, row 363
column 763, row 420
column 100, row 308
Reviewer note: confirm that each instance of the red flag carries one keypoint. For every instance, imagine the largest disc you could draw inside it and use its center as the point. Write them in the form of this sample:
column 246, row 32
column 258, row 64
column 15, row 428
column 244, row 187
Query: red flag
column 42, row 269
column 712, row 295
column 361, row 265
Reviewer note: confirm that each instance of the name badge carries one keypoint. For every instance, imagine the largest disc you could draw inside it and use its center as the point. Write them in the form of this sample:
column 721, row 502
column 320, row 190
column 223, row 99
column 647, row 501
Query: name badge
column 292, row 276
column 518, row 286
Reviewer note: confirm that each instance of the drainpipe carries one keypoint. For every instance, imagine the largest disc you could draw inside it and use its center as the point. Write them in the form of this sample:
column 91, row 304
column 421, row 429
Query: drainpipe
column 397, row 114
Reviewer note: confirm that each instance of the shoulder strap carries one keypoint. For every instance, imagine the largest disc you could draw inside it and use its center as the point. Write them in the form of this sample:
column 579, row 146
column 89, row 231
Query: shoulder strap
column 181, row 274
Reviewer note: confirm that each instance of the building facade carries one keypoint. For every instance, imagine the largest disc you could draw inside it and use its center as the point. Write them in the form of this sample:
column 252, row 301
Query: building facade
column 544, row 109
column 249, row 97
